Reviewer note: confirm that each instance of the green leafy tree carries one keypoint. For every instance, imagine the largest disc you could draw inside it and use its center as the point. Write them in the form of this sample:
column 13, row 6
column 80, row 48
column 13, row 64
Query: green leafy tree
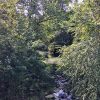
column 22, row 73
column 81, row 59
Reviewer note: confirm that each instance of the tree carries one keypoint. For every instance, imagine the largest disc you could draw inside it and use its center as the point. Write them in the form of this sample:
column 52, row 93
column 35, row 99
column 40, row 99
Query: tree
column 22, row 73
column 81, row 59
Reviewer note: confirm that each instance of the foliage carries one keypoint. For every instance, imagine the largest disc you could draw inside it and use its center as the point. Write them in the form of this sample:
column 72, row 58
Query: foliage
column 24, row 40
column 22, row 73
column 81, row 59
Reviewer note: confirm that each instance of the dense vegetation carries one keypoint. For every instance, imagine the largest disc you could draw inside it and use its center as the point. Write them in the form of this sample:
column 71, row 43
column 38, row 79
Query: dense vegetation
column 34, row 46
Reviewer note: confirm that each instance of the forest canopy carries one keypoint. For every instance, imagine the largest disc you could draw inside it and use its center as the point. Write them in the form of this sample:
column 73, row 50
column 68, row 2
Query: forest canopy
column 42, row 38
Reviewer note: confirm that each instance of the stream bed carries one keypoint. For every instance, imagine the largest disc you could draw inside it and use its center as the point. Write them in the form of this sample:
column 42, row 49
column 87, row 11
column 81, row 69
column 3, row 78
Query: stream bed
column 60, row 92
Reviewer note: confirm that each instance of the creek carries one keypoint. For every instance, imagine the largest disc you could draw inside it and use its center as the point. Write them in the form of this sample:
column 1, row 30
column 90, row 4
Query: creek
column 60, row 92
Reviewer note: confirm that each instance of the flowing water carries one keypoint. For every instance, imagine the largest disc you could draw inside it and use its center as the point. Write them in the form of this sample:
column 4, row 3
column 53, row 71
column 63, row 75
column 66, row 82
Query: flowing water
column 59, row 91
